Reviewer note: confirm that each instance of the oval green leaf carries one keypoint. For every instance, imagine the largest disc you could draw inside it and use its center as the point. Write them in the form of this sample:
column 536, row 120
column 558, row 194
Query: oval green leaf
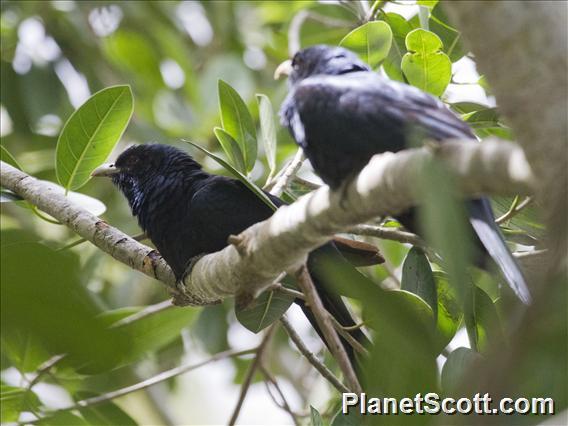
column 417, row 278
column 371, row 41
column 91, row 133
column 400, row 28
column 237, row 121
column 425, row 65
column 268, row 307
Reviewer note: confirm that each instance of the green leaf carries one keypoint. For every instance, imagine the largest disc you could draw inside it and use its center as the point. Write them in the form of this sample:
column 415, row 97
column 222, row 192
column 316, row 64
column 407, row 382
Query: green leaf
column 354, row 418
column 211, row 328
column 48, row 283
column 231, row 148
column 250, row 185
column 371, row 41
column 425, row 65
column 417, row 278
column 449, row 310
column 91, row 133
column 267, row 130
column 8, row 158
column 427, row 3
column 14, row 400
column 488, row 324
column 315, row 417
column 400, row 28
column 104, row 414
column 459, row 364
column 152, row 332
column 451, row 38
column 237, row 121
column 268, row 307
column 443, row 217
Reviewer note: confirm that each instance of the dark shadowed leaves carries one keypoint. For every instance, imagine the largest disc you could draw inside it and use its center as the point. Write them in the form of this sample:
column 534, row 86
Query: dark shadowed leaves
column 460, row 363
column 38, row 285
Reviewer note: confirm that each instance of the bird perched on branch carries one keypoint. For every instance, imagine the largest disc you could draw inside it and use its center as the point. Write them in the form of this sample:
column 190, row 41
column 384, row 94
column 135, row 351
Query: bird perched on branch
column 341, row 113
column 187, row 212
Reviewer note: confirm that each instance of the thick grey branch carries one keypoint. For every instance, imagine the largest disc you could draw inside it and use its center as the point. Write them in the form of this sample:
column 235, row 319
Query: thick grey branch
column 259, row 254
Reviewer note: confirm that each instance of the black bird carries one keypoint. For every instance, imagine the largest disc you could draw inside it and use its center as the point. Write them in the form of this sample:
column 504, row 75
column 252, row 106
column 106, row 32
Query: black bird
column 341, row 113
column 187, row 212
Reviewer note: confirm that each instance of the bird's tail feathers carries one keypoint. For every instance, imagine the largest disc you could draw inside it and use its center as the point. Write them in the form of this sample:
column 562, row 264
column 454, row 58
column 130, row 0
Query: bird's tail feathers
column 483, row 222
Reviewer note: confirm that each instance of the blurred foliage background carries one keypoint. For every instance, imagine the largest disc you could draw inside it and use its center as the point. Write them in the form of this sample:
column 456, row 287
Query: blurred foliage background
column 56, row 54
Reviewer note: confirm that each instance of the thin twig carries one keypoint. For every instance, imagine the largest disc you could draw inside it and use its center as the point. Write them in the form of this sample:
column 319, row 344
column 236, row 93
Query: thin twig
column 310, row 356
column 288, row 291
column 286, row 177
column 386, row 233
column 146, row 312
column 347, row 336
column 323, row 319
column 516, row 207
column 284, row 405
column 166, row 375
column 250, row 373
column 43, row 369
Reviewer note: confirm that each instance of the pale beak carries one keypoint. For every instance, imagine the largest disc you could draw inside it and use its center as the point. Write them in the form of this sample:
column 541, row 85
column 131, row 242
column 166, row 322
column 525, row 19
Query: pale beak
column 106, row 170
column 285, row 68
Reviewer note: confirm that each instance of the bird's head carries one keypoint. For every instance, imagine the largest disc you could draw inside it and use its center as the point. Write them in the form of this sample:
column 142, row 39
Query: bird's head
column 320, row 60
column 141, row 169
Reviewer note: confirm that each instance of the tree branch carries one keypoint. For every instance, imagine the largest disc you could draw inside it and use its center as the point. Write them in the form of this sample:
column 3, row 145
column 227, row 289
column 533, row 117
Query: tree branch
column 387, row 185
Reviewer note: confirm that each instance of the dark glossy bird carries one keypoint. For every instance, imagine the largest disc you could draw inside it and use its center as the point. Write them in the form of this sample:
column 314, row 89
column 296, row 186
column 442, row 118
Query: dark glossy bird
column 341, row 113
column 187, row 212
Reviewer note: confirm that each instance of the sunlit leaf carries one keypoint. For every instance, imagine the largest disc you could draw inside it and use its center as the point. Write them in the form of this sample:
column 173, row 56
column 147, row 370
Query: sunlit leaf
column 231, row 148
column 371, row 41
column 91, row 133
column 417, row 278
column 425, row 65
column 237, row 121
column 267, row 130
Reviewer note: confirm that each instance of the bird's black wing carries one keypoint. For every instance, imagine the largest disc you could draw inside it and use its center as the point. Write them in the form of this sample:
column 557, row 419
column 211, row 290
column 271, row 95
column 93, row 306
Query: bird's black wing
column 224, row 206
column 341, row 121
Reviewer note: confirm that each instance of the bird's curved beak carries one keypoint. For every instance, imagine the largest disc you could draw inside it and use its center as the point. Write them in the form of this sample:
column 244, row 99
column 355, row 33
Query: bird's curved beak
column 106, row 170
column 285, row 68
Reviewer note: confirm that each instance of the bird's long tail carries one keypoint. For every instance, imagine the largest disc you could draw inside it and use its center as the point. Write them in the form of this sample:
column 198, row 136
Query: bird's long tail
column 483, row 222
column 332, row 302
